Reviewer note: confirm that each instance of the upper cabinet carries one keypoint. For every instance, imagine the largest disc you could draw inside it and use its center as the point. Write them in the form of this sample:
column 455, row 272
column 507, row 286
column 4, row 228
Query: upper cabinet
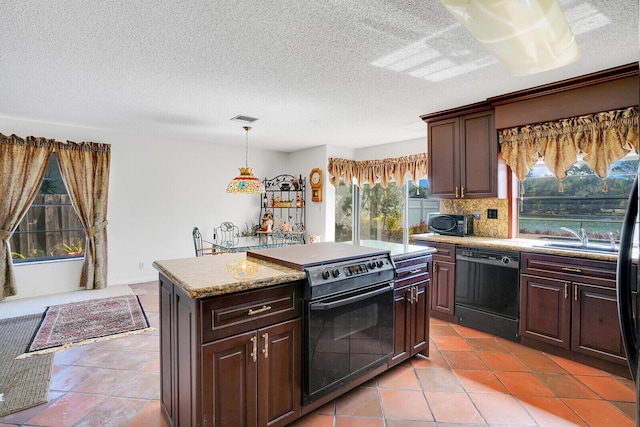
column 463, row 155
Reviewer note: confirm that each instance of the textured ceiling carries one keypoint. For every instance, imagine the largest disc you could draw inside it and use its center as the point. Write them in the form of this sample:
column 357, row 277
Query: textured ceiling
column 336, row 72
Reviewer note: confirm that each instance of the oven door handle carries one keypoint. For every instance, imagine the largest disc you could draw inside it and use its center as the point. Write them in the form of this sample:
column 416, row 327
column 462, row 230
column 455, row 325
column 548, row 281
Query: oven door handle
column 350, row 300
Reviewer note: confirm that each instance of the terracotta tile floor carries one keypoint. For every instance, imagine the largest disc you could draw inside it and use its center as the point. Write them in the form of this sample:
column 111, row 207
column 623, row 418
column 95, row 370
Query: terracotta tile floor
column 470, row 379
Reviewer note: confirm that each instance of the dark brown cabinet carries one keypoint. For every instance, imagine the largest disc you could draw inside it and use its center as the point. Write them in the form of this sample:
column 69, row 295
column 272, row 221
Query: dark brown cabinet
column 253, row 378
column 571, row 303
column 443, row 291
column 463, row 156
column 231, row 360
column 411, row 299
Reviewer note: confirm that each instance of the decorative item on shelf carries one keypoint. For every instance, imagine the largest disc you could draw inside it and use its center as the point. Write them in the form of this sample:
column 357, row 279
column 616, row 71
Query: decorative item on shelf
column 267, row 222
column 315, row 177
column 285, row 186
column 246, row 183
column 299, row 202
column 295, row 183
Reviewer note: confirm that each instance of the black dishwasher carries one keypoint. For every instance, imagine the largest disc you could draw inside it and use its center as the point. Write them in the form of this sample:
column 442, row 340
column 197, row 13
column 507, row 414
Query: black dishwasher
column 487, row 287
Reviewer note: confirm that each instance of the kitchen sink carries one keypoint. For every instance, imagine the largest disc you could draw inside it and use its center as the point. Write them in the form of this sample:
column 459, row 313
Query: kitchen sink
column 579, row 247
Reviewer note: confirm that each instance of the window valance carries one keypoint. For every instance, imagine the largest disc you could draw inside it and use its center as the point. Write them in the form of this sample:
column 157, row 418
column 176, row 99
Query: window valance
column 602, row 138
column 372, row 171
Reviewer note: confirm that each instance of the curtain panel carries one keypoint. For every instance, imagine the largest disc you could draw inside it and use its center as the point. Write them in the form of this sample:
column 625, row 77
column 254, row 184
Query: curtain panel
column 602, row 138
column 23, row 163
column 85, row 171
column 372, row 171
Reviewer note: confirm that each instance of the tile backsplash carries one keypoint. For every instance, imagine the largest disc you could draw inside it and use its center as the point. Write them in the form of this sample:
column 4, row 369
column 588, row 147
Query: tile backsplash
column 484, row 227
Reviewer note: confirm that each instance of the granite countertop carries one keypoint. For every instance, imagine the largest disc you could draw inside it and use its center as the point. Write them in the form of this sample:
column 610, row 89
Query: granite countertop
column 398, row 251
column 212, row 275
column 517, row 244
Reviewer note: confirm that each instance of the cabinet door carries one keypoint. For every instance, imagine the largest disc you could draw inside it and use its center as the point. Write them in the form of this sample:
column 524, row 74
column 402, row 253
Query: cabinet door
column 229, row 381
column 444, row 158
column 443, row 282
column 545, row 310
column 279, row 364
column 402, row 331
column 478, row 156
column 595, row 328
column 420, row 319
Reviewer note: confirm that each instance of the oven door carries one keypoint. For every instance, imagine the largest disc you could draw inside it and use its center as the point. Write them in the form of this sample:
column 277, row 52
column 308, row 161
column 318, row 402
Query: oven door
column 345, row 336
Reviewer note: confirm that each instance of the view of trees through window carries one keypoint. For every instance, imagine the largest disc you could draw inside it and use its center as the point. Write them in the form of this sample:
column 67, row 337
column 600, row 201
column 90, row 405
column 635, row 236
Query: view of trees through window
column 382, row 210
column 50, row 229
column 543, row 209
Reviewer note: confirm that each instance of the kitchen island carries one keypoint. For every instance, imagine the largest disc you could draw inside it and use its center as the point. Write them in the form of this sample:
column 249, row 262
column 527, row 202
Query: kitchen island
column 231, row 336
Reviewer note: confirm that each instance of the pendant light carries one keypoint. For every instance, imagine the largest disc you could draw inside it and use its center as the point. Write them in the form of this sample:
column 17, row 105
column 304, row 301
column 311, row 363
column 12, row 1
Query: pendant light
column 246, row 183
column 528, row 37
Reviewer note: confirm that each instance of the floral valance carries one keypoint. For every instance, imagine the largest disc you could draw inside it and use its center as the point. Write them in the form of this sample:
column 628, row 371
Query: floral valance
column 603, row 139
column 372, row 171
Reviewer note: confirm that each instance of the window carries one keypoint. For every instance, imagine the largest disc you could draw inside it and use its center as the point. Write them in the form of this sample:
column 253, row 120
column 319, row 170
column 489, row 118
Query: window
column 380, row 211
column 50, row 229
column 582, row 204
column 344, row 212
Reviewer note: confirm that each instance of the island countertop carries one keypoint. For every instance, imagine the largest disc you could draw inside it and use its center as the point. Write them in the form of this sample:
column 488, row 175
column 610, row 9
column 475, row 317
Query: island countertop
column 398, row 251
column 207, row 276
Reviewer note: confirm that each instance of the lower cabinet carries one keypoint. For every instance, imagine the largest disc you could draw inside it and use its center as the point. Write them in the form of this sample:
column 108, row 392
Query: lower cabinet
column 231, row 360
column 571, row 303
column 411, row 299
column 443, row 292
column 253, row 378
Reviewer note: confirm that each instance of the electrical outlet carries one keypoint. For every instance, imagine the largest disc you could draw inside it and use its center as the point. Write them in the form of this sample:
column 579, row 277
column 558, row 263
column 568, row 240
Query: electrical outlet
column 492, row 213
column 141, row 265
column 1, row 397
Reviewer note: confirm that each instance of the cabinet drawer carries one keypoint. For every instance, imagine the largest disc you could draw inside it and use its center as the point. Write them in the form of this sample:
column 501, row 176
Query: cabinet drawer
column 412, row 270
column 237, row 313
column 567, row 268
column 446, row 252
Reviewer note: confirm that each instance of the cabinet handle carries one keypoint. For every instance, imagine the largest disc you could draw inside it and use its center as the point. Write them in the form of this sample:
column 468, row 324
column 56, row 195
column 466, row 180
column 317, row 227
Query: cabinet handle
column 574, row 270
column 417, row 270
column 462, row 193
column 415, row 298
column 265, row 350
column 575, row 293
column 566, row 290
column 435, row 267
column 457, row 193
column 254, row 353
column 260, row 310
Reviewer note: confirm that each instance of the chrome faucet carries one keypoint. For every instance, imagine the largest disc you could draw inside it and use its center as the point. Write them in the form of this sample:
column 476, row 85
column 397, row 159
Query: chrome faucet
column 612, row 240
column 582, row 236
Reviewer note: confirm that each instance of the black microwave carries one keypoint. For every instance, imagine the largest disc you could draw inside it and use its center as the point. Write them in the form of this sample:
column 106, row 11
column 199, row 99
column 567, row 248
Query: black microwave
column 450, row 224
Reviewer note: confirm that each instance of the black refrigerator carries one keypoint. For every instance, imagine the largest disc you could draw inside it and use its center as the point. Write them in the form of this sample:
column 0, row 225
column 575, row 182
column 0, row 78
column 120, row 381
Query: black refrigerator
column 626, row 294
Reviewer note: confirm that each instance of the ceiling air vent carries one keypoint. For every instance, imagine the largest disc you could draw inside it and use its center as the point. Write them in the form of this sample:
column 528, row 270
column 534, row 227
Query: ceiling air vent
column 244, row 119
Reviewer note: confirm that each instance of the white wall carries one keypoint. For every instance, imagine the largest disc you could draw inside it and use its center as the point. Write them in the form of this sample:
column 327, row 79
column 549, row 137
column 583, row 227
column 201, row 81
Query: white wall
column 159, row 189
column 395, row 149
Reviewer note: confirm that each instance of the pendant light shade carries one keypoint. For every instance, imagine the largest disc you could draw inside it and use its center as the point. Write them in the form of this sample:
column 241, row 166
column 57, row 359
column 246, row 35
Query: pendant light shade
column 246, row 183
column 527, row 37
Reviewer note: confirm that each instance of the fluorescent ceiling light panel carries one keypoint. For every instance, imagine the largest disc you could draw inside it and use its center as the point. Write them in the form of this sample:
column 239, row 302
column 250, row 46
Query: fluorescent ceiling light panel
column 527, row 37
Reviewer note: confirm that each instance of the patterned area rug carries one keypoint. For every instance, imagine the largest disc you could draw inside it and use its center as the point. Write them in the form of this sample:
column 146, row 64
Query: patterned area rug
column 23, row 383
column 89, row 321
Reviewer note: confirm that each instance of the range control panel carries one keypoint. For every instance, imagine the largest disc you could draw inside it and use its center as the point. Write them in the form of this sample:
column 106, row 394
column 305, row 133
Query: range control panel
column 342, row 276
